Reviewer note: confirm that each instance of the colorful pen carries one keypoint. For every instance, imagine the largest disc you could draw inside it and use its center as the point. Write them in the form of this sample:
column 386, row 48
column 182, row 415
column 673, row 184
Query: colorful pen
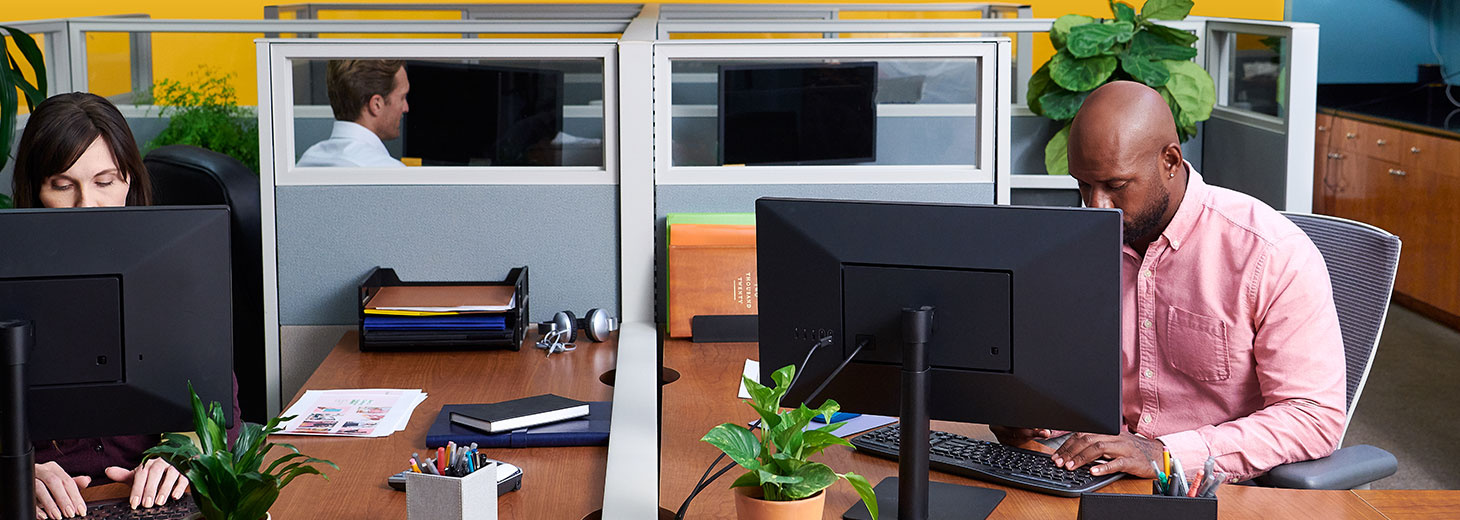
column 1178, row 477
column 441, row 460
column 415, row 467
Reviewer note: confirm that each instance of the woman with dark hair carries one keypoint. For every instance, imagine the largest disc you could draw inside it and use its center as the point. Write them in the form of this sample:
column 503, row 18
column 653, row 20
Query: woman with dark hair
column 77, row 151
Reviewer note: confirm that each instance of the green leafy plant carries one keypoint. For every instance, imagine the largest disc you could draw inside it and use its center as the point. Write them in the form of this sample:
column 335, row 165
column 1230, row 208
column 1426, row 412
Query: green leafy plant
column 12, row 79
column 204, row 112
column 1130, row 46
column 777, row 460
column 227, row 484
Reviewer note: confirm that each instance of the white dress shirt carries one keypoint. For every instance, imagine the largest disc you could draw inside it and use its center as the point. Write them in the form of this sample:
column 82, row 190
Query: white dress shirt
column 349, row 144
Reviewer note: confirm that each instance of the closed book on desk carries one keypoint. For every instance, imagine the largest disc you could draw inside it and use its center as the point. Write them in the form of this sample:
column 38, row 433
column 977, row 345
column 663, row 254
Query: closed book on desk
column 590, row 430
column 518, row 413
column 711, row 273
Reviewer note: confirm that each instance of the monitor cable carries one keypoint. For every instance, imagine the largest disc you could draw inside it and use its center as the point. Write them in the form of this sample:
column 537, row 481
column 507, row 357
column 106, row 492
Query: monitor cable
column 702, row 483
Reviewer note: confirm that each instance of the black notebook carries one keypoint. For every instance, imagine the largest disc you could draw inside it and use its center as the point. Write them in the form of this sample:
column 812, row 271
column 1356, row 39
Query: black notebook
column 519, row 413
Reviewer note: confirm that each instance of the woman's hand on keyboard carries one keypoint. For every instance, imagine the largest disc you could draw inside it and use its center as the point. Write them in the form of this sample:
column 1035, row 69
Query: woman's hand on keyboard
column 153, row 482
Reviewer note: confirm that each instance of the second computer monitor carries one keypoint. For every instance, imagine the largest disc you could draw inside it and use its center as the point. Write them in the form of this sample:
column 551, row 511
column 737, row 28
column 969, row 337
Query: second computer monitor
column 467, row 114
column 1026, row 321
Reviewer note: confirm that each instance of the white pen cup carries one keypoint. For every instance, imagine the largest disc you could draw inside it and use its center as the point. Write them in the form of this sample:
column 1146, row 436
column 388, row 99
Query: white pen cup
column 436, row 497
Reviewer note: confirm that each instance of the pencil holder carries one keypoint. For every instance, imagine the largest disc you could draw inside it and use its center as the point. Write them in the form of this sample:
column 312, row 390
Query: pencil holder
column 434, row 497
column 1111, row 506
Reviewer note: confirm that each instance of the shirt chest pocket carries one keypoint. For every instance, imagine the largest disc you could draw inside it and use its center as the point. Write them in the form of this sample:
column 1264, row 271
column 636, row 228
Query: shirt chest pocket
column 1196, row 345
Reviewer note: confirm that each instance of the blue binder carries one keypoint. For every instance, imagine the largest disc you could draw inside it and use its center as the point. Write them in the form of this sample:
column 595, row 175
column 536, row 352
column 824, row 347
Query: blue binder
column 591, row 430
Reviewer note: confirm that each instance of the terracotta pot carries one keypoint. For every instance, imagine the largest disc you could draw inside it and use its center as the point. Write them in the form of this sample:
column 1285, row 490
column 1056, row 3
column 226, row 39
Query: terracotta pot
column 749, row 506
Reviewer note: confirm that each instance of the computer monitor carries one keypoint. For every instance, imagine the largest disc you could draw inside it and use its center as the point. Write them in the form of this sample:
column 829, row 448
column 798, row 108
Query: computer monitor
column 798, row 113
column 127, row 306
column 1025, row 318
column 465, row 114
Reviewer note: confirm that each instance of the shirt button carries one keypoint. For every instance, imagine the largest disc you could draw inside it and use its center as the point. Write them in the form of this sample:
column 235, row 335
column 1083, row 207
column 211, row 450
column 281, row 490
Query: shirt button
column 1146, row 324
column 1149, row 373
column 97, row 448
column 1146, row 418
column 1147, row 273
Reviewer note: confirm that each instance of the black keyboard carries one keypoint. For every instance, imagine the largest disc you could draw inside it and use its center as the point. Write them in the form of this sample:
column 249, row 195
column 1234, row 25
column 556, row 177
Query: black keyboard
column 991, row 461
column 121, row 509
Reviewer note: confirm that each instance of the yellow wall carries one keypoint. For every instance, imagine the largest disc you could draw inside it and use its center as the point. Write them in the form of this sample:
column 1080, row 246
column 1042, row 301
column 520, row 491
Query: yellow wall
column 178, row 55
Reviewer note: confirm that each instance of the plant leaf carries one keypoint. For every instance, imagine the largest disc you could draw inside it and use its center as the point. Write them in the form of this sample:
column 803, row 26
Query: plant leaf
column 783, row 378
column 1060, row 31
column 815, row 441
column 5, row 201
column 864, row 490
column 32, row 54
column 1123, row 11
column 1155, row 47
column 1193, row 90
column 1078, row 74
column 8, row 110
column 767, row 477
column 737, row 442
column 1166, row 9
column 1145, row 70
column 1062, row 105
column 1038, row 84
column 810, row 478
column 1174, row 36
column 749, row 479
column 764, row 402
column 1056, row 153
column 1097, row 38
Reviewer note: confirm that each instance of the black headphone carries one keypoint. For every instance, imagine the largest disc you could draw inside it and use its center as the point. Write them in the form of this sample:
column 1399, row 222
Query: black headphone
column 596, row 325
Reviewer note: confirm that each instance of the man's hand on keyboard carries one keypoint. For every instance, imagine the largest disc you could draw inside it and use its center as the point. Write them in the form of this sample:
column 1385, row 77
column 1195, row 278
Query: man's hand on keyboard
column 1022, row 437
column 1127, row 453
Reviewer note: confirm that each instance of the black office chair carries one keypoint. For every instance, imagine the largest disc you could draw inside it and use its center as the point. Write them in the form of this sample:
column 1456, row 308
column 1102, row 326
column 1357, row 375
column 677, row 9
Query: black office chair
column 188, row 175
column 1361, row 261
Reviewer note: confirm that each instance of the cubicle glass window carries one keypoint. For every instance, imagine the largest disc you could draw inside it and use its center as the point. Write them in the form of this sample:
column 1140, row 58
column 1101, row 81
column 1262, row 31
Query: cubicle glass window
column 461, row 112
column 1256, row 73
column 844, row 111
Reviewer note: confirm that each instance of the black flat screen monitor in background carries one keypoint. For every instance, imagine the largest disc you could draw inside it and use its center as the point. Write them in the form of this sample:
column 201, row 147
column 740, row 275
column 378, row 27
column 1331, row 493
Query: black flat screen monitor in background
column 1025, row 309
column 798, row 114
column 128, row 305
column 464, row 114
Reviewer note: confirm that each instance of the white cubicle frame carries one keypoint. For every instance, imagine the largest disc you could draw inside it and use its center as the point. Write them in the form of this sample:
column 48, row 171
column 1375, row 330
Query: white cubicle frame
column 281, row 149
column 989, row 110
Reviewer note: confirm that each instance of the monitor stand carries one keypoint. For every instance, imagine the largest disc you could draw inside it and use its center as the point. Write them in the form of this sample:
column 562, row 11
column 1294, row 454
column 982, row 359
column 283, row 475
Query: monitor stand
column 915, row 499
column 17, row 457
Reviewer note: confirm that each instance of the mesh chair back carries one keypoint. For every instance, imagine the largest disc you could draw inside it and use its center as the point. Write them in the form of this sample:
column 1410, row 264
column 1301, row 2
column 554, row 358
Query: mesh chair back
column 1361, row 262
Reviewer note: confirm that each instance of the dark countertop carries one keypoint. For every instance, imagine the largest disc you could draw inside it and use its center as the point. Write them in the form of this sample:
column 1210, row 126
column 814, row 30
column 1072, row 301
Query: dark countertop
column 1412, row 106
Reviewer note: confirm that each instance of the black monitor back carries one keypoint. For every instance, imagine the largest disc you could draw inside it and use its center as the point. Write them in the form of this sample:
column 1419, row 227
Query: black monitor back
column 798, row 114
column 128, row 305
column 1026, row 326
column 464, row 114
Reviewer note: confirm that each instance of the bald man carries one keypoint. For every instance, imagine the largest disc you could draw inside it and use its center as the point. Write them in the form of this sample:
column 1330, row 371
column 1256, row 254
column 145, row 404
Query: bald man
column 1231, row 346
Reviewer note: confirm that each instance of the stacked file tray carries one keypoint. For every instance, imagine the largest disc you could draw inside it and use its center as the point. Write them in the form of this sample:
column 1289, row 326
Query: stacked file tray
column 396, row 315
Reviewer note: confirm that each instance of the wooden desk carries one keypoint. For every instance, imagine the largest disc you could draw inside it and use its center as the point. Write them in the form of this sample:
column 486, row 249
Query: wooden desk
column 703, row 398
column 558, row 483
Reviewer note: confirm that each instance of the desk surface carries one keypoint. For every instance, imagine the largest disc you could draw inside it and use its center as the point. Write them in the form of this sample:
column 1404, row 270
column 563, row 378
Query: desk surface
column 565, row 483
column 704, row 397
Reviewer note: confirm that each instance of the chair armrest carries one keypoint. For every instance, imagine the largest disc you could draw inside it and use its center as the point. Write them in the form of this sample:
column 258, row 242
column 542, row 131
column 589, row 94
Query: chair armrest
column 1346, row 468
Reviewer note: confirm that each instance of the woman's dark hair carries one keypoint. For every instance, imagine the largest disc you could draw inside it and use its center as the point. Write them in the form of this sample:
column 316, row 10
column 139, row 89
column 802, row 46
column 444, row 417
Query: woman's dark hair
column 59, row 131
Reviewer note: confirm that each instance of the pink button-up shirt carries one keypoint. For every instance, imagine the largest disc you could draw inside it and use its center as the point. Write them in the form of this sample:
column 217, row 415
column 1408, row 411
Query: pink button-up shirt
column 1231, row 345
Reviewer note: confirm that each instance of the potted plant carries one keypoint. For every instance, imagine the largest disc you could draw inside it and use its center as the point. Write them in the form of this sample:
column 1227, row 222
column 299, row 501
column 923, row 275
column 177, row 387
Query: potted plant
column 12, row 78
column 227, row 484
column 203, row 111
column 1129, row 47
column 779, row 482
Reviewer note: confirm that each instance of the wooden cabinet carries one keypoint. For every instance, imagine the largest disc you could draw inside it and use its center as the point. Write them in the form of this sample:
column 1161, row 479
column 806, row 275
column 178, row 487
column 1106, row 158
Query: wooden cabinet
column 1406, row 182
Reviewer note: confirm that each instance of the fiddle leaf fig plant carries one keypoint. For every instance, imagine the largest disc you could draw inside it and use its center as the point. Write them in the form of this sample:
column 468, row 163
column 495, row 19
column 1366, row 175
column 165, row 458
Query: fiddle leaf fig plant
column 228, row 484
column 777, row 460
column 1128, row 47
column 12, row 79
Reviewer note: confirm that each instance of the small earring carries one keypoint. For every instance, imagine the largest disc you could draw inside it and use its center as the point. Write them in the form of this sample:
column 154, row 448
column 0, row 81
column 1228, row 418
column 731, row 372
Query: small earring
column 1173, row 175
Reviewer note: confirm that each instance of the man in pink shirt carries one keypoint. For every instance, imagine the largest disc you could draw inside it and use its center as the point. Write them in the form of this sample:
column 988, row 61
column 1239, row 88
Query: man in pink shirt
column 1230, row 346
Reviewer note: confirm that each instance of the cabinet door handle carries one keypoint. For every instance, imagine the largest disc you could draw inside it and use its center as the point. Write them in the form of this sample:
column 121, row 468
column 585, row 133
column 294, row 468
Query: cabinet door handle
column 1322, row 128
column 1414, row 149
column 1393, row 171
column 1335, row 155
column 1351, row 135
column 1381, row 142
